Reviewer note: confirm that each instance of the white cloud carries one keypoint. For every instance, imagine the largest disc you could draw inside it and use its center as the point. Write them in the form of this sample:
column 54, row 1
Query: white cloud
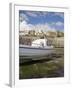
column 31, row 13
column 23, row 17
column 60, row 14
column 44, row 27
column 39, row 27
column 36, row 13
column 59, row 23
column 25, row 26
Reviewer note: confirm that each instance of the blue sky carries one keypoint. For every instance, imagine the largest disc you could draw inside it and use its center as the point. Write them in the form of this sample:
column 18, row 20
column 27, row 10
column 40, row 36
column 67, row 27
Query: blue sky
column 45, row 20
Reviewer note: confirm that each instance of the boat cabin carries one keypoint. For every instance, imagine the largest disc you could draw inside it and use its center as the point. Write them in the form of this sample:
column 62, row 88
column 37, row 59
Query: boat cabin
column 39, row 43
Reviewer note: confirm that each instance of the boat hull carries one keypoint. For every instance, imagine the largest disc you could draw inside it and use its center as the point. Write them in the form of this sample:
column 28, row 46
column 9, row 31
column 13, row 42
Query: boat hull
column 34, row 52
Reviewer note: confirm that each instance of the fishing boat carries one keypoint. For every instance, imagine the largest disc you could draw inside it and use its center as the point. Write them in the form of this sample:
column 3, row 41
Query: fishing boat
column 38, row 48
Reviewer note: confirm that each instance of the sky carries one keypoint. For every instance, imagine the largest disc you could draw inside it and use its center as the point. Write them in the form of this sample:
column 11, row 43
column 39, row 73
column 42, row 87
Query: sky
column 41, row 20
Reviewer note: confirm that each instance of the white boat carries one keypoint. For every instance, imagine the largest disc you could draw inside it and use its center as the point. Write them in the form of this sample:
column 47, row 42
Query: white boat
column 38, row 48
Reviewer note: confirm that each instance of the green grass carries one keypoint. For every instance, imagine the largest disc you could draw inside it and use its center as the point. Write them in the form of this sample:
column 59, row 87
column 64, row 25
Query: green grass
column 47, row 69
column 53, row 67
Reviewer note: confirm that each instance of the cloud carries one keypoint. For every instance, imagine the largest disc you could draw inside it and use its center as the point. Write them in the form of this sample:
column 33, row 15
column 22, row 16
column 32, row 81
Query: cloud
column 38, row 27
column 44, row 27
column 25, row 26
column 60, row 14
column 59, row 23
column 31, row 13
column 23, row 17
column 36, row 13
